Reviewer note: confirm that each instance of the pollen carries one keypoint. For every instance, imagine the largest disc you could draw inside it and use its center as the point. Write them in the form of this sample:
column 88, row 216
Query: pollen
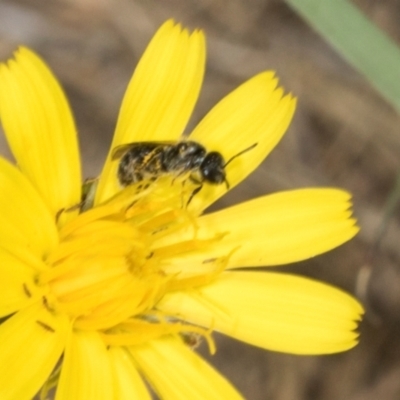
column 109, row 270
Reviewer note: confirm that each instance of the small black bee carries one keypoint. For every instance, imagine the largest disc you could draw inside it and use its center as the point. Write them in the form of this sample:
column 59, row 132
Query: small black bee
column 149, row 160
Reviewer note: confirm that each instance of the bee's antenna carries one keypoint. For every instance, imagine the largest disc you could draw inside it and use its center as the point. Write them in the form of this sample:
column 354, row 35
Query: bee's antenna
column 227, row 184
column 239, row 154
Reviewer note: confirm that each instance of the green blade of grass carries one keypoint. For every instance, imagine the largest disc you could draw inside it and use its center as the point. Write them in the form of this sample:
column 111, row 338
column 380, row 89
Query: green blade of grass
column 358, row 40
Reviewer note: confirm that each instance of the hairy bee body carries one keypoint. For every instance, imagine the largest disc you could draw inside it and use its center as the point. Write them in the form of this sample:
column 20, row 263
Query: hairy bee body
column 149, row 160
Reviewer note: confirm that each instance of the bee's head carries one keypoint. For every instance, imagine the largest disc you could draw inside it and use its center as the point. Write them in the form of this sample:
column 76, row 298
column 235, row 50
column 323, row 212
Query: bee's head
column 212, row 169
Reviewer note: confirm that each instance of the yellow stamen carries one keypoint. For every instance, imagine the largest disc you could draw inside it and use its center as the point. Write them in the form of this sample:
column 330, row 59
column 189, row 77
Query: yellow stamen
column 108, row 272
column 136, row 332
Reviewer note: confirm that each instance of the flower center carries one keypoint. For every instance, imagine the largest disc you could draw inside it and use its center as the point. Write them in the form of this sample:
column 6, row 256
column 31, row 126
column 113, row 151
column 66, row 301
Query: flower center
column 109, row 270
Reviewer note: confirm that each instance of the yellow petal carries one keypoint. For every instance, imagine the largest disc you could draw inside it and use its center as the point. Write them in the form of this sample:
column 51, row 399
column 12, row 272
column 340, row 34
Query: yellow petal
column 177, row 373
column 86, row 372
column 31, row 342
column 17, row 284
column 160, row 96
column 40, row 129
column 256, row 112
column 129, row 383
column 26, row 223
column 276, row 229
column 279, row 312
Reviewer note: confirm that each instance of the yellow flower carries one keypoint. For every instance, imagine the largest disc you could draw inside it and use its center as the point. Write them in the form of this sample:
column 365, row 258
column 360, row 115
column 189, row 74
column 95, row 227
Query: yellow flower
column 99, row 297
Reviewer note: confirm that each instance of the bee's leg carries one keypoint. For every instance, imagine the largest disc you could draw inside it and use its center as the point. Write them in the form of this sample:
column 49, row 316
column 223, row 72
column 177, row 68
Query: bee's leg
column 174, row 179
column 151, row 180
column 88, row 193
column 178, row 175
column 194, row 179
column 138, row 177
column 195, row 191
column 182, row 193
column 87, row 199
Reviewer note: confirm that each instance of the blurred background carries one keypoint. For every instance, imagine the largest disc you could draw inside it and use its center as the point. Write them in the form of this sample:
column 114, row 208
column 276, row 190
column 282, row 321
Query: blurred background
column 344, row 134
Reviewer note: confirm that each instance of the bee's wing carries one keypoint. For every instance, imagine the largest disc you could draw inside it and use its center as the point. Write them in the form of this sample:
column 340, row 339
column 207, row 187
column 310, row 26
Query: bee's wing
column 119, row 151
